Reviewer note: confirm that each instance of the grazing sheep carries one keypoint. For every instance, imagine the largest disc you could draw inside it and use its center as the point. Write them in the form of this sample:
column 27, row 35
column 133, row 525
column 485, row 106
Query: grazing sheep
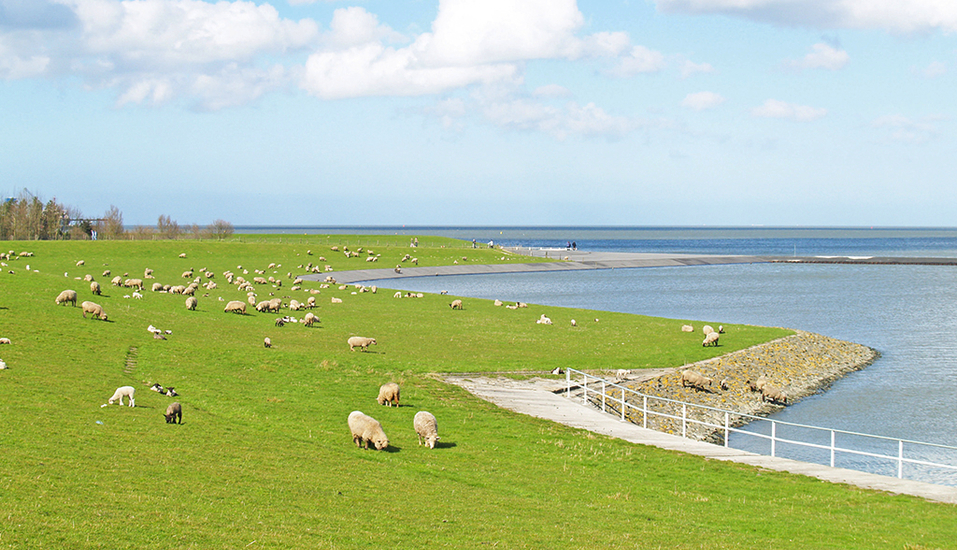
column 117, row 281
column 235, row 306
column 695, row 380
column 4, row 341
column 758, row 384
column 724, row 384
column 366, row 429
column 66, row 296
column 2, row 365
column 134, row 283
column 174, row 412
column 311, row 302
column 188, row 274
column 157, row 287
column 309, row 319
column 574, row 324
column 79, row 263
column 267, row 343
column 711, row 339
column 121, row 392
column 360, row 342
column 148, row 273
column 170, row 392
column 389, row 394
column 721, row 329
column 191, row 303
column 543, row 320
column 397, row 294
column 456, row 304
column 94, row 309
column 280, row 321
column 294, row 305
column 687, row 328
column 706, row 330
column 88, row 278
column 774, row 394
column 426, row 428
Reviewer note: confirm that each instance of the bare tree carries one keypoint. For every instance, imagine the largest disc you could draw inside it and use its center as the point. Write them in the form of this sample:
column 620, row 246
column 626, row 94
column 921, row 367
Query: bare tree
column 221, row 229
column 111, row 226
column 167, row 228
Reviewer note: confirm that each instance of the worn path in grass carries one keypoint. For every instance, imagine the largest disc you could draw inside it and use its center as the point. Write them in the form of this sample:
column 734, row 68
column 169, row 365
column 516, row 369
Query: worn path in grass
column 538, row 398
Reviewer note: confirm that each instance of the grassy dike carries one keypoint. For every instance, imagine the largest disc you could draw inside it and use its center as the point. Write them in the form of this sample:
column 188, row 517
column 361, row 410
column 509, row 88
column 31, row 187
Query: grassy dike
column 264, row 458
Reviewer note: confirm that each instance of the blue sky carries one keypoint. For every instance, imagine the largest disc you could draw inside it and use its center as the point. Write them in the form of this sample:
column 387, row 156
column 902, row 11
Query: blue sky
column 484, row 112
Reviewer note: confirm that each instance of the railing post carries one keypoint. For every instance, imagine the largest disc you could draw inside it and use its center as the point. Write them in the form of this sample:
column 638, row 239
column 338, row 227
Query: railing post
column 603, row 390
column 568, row 382
column 584, row 389
column 774, row 431
column 900, row 459
column 684, row 420
column 644, row 412
column 623, row 405
column 832, row 448
column 726, row 428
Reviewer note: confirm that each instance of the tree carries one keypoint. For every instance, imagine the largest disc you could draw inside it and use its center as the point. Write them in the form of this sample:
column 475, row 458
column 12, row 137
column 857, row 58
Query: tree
column 111, row 226
column 221, row 229
column 167, row 228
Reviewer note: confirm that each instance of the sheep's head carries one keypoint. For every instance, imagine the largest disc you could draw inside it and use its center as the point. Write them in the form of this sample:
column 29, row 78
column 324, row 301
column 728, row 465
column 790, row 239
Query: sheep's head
column 430, row 440
column 381, row 443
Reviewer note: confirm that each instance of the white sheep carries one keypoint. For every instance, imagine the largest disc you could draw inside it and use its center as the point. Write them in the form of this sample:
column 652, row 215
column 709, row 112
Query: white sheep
column 191, row 303
column 396, row 295
column 235, row 307
column 336, row 300
column 456, row 304
column 389, row 394
column 360, row 342
column 174, row 412
column 96, row 310
column 309, row 319
column 4, row 341
column 121, row 392
column 695, row 380
column 543, row 320
column 267, row 343
column 426, row 428
column 774, row 394
column 711, row 339
column 2, row 365
column 366, row 429
column 687, row 328
column 66, row 296
column 706, row 330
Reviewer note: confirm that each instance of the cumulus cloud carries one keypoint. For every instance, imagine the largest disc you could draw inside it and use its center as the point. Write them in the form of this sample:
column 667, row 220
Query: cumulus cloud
column 639, row 60
column 893, row 15
column 774, row 108
column 700, row 101
column 907, row 130
column 822, row 56
column 355, row 26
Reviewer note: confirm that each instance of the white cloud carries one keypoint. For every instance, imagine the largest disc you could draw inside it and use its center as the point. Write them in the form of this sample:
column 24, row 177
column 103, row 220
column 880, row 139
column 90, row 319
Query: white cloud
column 774, row 108
column 893, row 15
column 551, row 90
column 355, row 26
column 700, row 101
column 639, row 60
column 822, row 56
column 901, row 128
column 689, row 68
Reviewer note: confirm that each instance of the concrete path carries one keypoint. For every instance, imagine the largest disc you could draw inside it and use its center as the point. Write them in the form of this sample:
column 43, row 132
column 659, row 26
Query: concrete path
column 537, row 398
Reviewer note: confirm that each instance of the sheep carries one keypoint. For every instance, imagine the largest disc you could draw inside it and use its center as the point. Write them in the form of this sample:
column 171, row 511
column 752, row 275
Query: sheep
column 79, row 263
column 758, row 384
column 66, row 296
column 543, row 320
column 275, row 304
column 724, row 384
column 2, row 365
column 88, row 278
column 191, row 303
column 170, row 392
column 360, row 342
column 148, row 274
column 121, row 392
column 137, row 295
column 497, row 302
column 389, row 394
column 720, row 329
column 106, row 273
column 187, row 274
column 336, row 300
column 134, row 283
column 117, row 281
column 711, row 339
column 574, row 324
column 687, row 328
column 4, row 341
column 426, row 428
column 294, row 305
column 311, row 302
column 695, row 380
column 157, row 388
column 95, row 310
column 366, row 429
column 456, row 304
column 267, row 343
column 157, row 287
column 706, row 330
column 235, row 306
column 174, row 412
column 397, row 294
column 309, row 319
column 774, row 394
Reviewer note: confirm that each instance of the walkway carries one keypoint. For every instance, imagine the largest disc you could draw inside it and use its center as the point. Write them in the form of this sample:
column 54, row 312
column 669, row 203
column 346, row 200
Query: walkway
column 538, row 398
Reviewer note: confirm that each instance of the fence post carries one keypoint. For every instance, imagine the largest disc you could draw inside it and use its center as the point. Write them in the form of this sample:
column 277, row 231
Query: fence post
column 726, row 435
column 644, row 413
column 603, row 390
column 684, row 420
column 584, row 389
column 623, row 405
column 832, row 448
column 568, row 382
column 774, row 431
column 900, row 459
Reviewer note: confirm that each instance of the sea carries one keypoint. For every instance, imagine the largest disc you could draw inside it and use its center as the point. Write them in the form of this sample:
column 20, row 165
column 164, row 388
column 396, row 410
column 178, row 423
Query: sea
column 906, row 312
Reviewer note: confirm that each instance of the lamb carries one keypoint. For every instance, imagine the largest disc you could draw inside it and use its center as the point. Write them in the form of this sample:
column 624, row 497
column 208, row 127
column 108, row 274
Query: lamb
column 191, row 303
column 4, row 341
column 174, row 412
column 366, row 429
column 711, row 339
column 66, row 296
column 267, row 343
column 397, row 294
column 94, row 309
column 695, row 380
column 121, row 392
column 389, row 394
column 157, row 388
column 2, row 365
column 456, row 304
column 235, row 306
column 774, row 394
column 543, row 320
column 360, row 342
column 426, row 428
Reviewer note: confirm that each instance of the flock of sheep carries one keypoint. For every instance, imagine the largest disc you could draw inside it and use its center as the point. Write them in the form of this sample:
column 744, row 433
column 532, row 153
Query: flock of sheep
column 366, row 430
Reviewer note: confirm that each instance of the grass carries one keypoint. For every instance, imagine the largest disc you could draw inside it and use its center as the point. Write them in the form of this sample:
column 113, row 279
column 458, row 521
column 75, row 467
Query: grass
column 264, row 458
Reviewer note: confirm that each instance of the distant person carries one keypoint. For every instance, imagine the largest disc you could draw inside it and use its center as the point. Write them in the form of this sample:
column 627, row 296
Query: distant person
column 574, row 246
column 568, row 245
column 491, row 244
column 473, row 243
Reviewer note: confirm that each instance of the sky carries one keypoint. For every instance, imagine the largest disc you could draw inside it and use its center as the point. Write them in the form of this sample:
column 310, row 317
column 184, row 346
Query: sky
column 484, row 112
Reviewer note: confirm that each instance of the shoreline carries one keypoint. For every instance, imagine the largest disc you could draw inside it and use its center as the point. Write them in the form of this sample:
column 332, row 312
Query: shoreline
column 802, row 364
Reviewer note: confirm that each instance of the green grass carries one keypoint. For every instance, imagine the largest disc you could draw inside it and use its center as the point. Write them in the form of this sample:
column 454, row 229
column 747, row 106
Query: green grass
column 264, row 457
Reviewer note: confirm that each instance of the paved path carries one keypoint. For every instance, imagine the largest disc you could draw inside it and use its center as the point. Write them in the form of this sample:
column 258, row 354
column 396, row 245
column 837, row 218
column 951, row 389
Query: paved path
column 537, row 398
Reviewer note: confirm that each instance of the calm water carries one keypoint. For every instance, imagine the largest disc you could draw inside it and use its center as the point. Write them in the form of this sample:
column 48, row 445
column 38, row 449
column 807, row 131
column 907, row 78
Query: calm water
column 908, row 313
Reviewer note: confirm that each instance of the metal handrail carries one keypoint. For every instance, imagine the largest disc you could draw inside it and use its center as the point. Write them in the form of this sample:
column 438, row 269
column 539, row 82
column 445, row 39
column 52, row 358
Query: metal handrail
column 728, row 429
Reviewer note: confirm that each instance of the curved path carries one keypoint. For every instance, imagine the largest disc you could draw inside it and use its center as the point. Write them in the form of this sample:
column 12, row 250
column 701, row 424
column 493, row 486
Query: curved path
column 538, row 398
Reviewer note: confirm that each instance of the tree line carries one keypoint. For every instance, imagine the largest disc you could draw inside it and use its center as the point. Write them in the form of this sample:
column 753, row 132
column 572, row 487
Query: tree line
column 27, row 217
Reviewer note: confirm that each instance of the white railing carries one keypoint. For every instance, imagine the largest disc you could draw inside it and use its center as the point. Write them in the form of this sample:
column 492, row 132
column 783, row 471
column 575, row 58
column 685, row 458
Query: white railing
column 625, row 403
